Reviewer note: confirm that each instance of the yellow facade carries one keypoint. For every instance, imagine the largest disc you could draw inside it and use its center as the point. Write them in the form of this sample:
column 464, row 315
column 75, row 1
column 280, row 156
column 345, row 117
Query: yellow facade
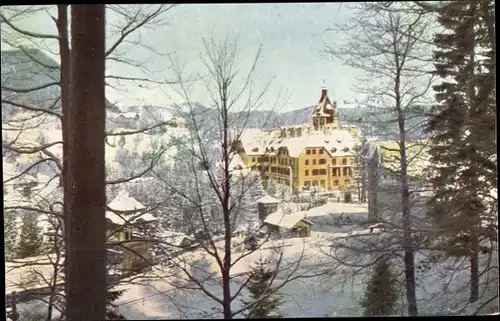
column 417, row 153
column 317, row 167
column 313, row 162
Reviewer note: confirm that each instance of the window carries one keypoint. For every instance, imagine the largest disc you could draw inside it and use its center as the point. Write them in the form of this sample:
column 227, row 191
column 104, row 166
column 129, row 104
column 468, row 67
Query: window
column 307, row 183
column 314, row 151
column 334, row 162
column 322, row 183
column 315, row 172
column 335, row 182
column 315, row 183
column 322, row 171
column 322, row 161
column 352, row 161
column 253, row 159
column 308, row 152
column 347, row 182
column 321, row 151
column 350, row 171
column 334, row 172
column 314, row 162
column 127, row 236
column 307, row 172
column 307, row 162
column 344, row 171
column 344, row 161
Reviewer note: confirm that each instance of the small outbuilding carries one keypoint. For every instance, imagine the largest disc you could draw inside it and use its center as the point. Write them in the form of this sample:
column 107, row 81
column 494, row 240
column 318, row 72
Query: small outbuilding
column 127, row 220
column 267, row 205
column 293, row 225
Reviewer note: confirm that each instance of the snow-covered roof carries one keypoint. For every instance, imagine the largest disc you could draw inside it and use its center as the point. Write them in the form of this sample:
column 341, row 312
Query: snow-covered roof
column 236, row 161
column 254, row 140
column 123, row 202
column 129, row 115
column 268, row 199
column 337, row 142
column 173, row 238
column 287, row 221
column 122, row 219
column 324, row 104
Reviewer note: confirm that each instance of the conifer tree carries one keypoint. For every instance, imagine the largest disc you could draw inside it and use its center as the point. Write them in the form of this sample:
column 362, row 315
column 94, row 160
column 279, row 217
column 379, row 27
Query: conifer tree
column 381, row 291
column 273, row 189
column 463, row 127
column 31, row 236
column 111, row 311
column 10, row 235
column 261, row 304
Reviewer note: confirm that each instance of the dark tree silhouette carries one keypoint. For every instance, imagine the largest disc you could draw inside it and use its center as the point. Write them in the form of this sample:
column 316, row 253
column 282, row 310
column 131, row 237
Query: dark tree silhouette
column 86, row 223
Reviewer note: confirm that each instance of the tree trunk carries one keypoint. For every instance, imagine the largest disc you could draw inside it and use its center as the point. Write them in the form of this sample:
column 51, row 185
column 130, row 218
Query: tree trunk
column 86, row 296
column 373, row 184
column 363, row 185
column 474, row 268
column 226, row 285
column 409, row 258
column 62, row 30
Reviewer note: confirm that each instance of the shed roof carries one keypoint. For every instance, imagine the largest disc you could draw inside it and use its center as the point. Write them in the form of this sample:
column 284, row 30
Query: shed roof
column 268, row 199
column 122, row 219
column 173, row 238
column 123, row 202
column 287, row 221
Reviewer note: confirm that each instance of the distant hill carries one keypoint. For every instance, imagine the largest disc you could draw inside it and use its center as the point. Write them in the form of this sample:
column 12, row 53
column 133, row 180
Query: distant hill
column 33, row 68
column 373, row 122
column 29, row 68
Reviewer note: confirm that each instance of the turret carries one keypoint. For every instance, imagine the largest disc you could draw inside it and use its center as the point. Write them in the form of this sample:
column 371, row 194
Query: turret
column 324, row 113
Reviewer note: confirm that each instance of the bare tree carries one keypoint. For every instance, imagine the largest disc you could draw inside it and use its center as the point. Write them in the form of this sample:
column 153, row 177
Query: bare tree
column 37, row 108
column 385, row 46
column 214, row 188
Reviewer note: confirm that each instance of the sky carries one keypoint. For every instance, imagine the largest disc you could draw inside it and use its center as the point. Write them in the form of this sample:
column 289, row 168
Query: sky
column 292, row 36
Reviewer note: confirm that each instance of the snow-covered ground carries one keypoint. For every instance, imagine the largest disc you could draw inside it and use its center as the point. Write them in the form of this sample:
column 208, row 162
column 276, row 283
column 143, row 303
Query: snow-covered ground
column 166, row 293
column 331, row 288
column 334, row 292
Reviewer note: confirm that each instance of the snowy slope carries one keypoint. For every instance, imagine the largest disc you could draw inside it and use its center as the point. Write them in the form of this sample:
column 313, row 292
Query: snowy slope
column 334, row 294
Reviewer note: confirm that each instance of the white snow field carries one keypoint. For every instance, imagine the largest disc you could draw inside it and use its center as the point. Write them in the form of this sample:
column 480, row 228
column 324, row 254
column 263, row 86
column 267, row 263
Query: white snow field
column 441, row 290
column 323, row 286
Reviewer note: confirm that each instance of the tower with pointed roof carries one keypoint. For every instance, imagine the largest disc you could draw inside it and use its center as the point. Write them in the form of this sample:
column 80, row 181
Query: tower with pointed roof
column 324, row 114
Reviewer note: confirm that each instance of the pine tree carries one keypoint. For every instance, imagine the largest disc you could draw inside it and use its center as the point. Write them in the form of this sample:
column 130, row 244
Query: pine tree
column 10, row 235
column 381, row 291
column 111, row 311
column 273, row 188
column 265, row 306
column 31, row 236
column 463, row 127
